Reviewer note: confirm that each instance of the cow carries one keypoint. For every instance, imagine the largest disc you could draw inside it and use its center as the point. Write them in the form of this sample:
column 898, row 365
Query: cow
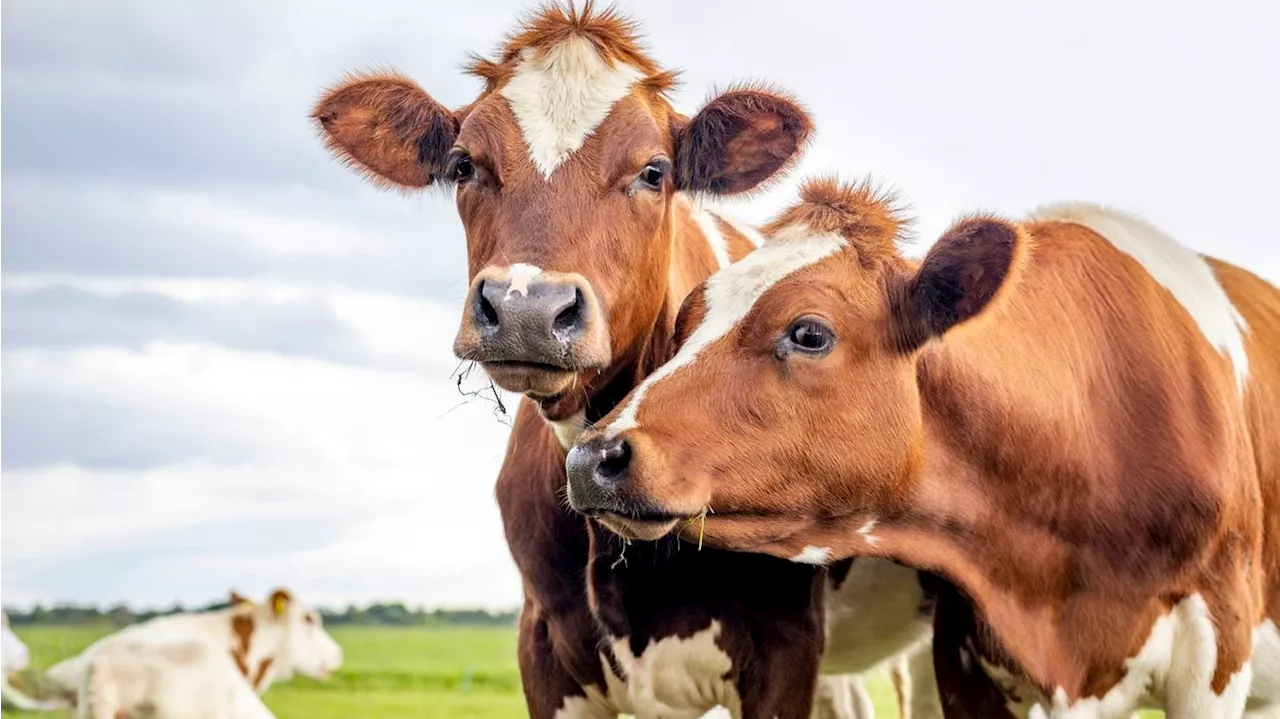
column 201, row 664
column 581, row 192
column 15, row 657
column 1072, row 420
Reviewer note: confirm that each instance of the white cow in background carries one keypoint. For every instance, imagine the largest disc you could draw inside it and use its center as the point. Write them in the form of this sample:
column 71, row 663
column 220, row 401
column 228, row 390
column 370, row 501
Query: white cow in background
column 206, row 665
column 15, row 658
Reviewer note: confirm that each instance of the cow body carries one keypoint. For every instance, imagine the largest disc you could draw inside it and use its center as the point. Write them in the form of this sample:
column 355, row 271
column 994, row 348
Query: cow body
column 573, row 177
column 176, row 680
column 199, row 664
column 1073, row 420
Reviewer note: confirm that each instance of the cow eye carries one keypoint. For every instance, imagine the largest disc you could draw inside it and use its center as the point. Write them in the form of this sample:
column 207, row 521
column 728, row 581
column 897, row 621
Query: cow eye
column 651, row 176
column 463, row 169
column 310, row 618
column 809, row 335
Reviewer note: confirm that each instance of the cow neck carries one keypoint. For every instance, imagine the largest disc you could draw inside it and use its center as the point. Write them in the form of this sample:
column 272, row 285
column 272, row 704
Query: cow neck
column 255, row 669
column 958, row 517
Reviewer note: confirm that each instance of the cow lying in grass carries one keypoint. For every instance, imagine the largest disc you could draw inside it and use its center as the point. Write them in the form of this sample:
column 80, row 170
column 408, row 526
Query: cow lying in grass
column 206, row 664
column 1072, row 419
column 16, row 657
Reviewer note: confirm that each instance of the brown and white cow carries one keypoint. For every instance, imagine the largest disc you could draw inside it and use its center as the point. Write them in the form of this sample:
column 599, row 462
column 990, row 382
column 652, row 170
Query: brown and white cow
column 212, row 663
column 1073, row 419
column 575, row 178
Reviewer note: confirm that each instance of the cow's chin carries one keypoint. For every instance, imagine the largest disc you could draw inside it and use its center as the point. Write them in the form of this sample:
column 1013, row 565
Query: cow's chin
column 644, row 530
column 535, row 380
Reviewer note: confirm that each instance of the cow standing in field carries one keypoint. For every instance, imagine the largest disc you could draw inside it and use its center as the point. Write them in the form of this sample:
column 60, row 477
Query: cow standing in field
column 574, row 179
column 205, row 665
column 17, row 657
column 1074, row 420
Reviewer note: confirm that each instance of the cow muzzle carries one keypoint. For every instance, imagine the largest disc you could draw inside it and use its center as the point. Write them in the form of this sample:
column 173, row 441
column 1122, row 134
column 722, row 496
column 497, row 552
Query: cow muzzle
column 533, row 331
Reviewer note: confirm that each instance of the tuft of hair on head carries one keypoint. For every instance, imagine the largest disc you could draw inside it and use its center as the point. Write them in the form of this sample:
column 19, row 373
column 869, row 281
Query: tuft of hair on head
column 868, row 216
column 614, row 36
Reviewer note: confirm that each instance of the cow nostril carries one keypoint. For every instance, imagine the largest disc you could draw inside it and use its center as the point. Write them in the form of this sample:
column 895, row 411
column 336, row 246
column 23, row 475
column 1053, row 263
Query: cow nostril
column 615, row 461
column 570, row 318
column 488, row 314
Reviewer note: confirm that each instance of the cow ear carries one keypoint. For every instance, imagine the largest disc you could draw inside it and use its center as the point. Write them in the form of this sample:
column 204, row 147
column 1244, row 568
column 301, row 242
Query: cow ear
column 388, row 128
column 279, row 602
column 740, row 139
column 960, row 277
column 237, row 599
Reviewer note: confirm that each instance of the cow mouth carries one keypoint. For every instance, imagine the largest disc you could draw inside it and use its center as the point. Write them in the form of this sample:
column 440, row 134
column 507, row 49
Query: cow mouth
column 642, row 526
column 537, row 379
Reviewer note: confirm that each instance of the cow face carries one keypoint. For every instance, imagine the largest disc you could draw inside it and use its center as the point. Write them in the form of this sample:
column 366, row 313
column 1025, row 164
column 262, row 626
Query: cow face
column 305, row 647
column 566, row 171
column 793, row 398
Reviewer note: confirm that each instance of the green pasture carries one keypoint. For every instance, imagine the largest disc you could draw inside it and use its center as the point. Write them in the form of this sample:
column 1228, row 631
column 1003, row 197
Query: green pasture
column 390, row 673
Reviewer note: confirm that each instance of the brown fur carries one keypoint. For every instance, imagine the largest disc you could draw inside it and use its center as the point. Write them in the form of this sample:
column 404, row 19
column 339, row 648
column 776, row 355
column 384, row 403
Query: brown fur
column 641, row 251
column 1026, row 413
column 242, row 628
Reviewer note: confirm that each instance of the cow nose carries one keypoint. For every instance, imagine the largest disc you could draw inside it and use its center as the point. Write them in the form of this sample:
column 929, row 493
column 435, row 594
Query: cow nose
column 545, row 312
column 595, row 470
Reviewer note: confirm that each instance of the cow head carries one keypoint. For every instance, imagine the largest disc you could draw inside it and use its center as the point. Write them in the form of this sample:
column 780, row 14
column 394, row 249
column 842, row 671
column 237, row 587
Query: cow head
column 280, row 638
column 792, row 403
column 15, row 655
column 566, row 171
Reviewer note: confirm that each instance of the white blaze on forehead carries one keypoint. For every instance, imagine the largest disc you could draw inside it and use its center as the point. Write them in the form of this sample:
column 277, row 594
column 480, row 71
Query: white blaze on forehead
column 1178, row 268
column 519, row 275
column 560, row 98
column 730, row 295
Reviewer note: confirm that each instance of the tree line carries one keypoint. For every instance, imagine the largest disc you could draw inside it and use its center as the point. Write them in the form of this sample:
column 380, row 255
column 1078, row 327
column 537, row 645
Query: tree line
column 380, row 614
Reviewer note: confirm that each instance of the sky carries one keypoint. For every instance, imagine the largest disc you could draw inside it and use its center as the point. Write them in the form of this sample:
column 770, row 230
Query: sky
column 226, row 358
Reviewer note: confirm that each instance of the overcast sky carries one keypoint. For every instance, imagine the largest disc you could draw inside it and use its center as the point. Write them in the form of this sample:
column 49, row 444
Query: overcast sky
column 226, row 359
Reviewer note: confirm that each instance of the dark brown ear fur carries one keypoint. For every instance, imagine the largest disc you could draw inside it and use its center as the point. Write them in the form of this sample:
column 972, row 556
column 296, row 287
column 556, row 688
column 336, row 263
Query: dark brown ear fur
column 739, row 140
column 960, row 277
column 388, row 128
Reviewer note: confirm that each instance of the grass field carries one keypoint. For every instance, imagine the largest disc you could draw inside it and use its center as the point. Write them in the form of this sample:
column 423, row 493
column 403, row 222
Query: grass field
column 391, row 673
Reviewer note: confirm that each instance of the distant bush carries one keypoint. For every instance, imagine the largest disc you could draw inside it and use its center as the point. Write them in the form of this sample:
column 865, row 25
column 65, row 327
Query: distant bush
column 381, row 614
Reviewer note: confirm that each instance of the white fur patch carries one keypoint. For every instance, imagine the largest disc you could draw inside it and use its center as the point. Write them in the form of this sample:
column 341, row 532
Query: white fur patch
column 560, row 98
column 865, row 531
column 520, row 275
column 1173, row 671
column 711, row 231
column 568, row 430
column 730, row 295
column 813, row 555
column 679, row 678
column 1179, row 269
